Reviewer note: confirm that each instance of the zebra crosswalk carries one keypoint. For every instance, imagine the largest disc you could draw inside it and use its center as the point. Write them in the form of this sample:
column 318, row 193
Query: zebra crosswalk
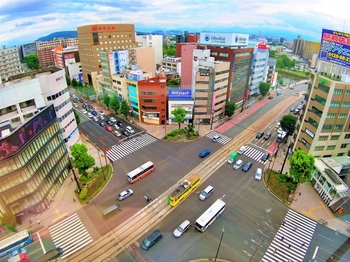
column 292, row 239
column 254, row 153
column 223, row 139
column 70, row 235
column 129, row 146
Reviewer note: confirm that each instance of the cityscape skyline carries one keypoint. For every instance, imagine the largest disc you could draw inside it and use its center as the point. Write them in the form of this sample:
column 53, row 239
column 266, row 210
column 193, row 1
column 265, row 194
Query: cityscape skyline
column 24, row 22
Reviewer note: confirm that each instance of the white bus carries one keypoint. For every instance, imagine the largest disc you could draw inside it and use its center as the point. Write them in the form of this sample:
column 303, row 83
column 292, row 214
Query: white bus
column 209, row 216
column 14, row 242
column 140, row 172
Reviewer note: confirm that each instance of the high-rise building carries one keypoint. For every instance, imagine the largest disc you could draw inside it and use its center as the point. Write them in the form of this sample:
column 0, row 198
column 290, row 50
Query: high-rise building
column 185, row 51
column 10, row 63
column 102, row 37
column 259, row 68
column 305, row 49
column 325, row 120
column 155, row 41
column 28, row 49
column 37, row 128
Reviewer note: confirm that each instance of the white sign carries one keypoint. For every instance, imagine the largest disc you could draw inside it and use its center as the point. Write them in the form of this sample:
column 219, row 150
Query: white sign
column 224, row 39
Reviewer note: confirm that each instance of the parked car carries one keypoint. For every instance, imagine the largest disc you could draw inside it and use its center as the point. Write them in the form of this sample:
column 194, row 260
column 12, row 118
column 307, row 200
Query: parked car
column 113, row 119
column 108, row 128
column 265, row 157
column 204, row 153
column 89, row 115
column 116, row 127
column 109, row 122
column 84, row 111
column 292, row 109
column 103, row 124
column 125, row 194
column 238, row 164
column 102, row 117
column 120, row 123
column 125, row 133
column 270, row 97
column 94, row 113
column 259, row 135
column 296, row 111
column 117, row 133
column 267, row 136
column 182, row 228
column 280, row 130
column 95, row 119
column 247, row 166
column 101, row 113
column 130, row 130
column 278, row 124
column 81, row 100
column 75, row 105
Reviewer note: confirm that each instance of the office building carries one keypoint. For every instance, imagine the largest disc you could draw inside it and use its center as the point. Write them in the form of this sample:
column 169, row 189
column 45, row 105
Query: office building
column 102, row 37
column 10, row 63
column 37, row 128
column 155, row 41
column 185, row 51
column 259, row 68
column 28, row 49
column 325, row 120
column 171, row 64
column 305, row 49
column 68, row 59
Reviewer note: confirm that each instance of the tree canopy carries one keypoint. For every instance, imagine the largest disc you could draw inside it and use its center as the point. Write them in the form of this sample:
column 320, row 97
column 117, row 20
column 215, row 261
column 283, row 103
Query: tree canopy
column 283, row 61
column 230, row 108
column 115, row 104
column 32, row 61
column 81, row 159
column 77, row 117
column 288, row 123
column 264, row 88
column 301, row 166
column 106, row 99
column 179, row 114
column 74, row 83
column 8, row 220
column 124, row 108
column 169, row 50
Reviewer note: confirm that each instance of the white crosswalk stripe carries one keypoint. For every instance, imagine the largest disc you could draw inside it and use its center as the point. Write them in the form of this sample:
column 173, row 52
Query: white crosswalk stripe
column 292, row 239
column 129, row 146
column 254, row 153
column 70, row 235
column 223, row 139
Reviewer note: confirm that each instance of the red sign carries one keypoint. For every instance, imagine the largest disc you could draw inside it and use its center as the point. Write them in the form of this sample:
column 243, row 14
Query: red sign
column 100, row 28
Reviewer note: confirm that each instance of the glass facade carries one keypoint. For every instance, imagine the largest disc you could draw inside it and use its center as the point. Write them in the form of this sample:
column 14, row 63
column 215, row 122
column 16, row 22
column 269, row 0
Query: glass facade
column 31, row 177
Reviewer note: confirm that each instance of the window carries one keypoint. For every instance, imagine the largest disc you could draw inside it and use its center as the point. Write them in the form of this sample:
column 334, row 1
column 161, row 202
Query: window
column 322, row 138
column 343, row 145
column 313, row 122
column 319, row 148
column 327, row 127
column 338, row 91
column 316, row 111
column 307, row 144
column 347, row 92
column 338, row 127
column 331, row 115
column 224, row 54
column 342, row 116
column 213, row 53
column 334, row 104
column 347, row 136
column 323, row 87
column 321, row 100
column 345, row 104
column 331, row 147
column 335, row 137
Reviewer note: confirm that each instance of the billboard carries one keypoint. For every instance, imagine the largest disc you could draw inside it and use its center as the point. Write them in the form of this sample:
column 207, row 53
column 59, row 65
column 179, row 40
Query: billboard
column 22, row 135
column 180, row 93
column 335, row 47
column 224, row 39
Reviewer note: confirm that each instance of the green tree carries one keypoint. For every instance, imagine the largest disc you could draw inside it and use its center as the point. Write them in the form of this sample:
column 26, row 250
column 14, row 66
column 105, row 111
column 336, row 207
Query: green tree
column 106, row 99
column 124, row 108
column 68, row 80
column 230, row 108
column 283, row 61
column 179, row 114
column 80, row 84
column 301, row 166
column 8, row 220
column 169, row 50
column 288, row 123
column 74, row 83
column 264, row 88
column 77, row 117
column 115, row 104
column 32, row 61
column 173, row 82
column 281, row 81
column 272, row 53
column 81, row 158
column 83, row 193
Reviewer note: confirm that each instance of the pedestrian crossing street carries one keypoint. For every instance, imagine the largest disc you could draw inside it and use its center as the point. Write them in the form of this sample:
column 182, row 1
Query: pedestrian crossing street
column 129, row 146
column 223, row 139
column 70, row 235
column 254, row 153
column 292, row 239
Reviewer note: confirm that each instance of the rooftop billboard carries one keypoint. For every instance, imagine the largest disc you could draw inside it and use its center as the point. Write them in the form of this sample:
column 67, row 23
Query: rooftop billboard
column 335, row 47
column 180, row 93
column 224, row 39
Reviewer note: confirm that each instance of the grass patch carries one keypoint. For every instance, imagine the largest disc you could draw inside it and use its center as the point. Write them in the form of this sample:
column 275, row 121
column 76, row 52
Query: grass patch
column 95, row 182
column 183, row 134
column 277, row 187
column 298, row 75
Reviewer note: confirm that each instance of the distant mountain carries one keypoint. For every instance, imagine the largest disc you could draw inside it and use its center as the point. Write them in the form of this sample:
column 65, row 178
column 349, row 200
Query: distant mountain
column 171, row 32
column 61, row 34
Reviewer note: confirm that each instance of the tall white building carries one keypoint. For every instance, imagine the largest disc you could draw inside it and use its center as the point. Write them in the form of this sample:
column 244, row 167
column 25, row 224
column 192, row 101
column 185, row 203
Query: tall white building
column 10, row 63
column 155, row 41
column 26, row 94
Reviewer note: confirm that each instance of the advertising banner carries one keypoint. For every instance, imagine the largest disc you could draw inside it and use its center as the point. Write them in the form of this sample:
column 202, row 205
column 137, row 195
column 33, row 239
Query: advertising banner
column 224, row 39
column 335, row 47
column 180, row 93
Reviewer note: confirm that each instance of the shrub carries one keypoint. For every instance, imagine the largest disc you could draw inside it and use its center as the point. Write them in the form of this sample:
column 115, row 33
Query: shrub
column 83, row 193
column 83, row 178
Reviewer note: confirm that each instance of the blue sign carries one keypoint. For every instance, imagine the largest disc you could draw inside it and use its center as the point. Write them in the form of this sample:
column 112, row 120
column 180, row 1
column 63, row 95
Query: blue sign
column 335, row 47
column 180, row 93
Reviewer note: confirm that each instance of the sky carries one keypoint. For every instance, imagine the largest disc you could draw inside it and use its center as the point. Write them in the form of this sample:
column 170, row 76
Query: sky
column 24, row 21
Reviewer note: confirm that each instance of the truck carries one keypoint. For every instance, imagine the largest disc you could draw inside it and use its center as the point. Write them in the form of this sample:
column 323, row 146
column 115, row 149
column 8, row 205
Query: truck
column 232, row 157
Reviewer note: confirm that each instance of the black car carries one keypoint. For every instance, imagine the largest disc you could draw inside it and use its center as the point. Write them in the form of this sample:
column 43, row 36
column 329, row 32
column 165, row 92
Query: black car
column 81, row 100
column 125, row 133
column 103, row 124
column 270, row 97
column 109, row 122
column 259, row 135
column 267, row 136
column 84, row 106
column 247, row 166
column 75, row 100
column 120, row 123
column 265, row 157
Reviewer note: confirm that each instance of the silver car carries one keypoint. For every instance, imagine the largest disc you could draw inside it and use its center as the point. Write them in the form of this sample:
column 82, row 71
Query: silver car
column 182, row 228
column 125, row 194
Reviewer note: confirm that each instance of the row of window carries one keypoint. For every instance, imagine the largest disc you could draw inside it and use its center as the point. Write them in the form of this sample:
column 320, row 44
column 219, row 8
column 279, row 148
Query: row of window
column 70, row 111
column 337, row 91
column 53, row 97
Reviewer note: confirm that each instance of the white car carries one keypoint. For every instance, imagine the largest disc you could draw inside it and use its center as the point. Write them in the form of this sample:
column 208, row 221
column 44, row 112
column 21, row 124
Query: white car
column 116, row 127
column 90, row 115
column 258, row 174
column 112, row 119
column 278, row 125
column 84, row 111
column 238, row 164
column 125, row 194
column 280, row 131
column 242, row 150
column 130, row 130
column 182, row 228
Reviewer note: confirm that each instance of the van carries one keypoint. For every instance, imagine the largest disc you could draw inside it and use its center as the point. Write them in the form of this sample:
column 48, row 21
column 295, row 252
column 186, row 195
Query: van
column 206, row 193
column 151, row 240
column 111, row 209
column 258, row 174
column 216, row 138
column 232, row 157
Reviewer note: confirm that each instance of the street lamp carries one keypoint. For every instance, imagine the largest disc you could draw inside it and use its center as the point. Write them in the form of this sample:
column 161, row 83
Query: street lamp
column 222, row 235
